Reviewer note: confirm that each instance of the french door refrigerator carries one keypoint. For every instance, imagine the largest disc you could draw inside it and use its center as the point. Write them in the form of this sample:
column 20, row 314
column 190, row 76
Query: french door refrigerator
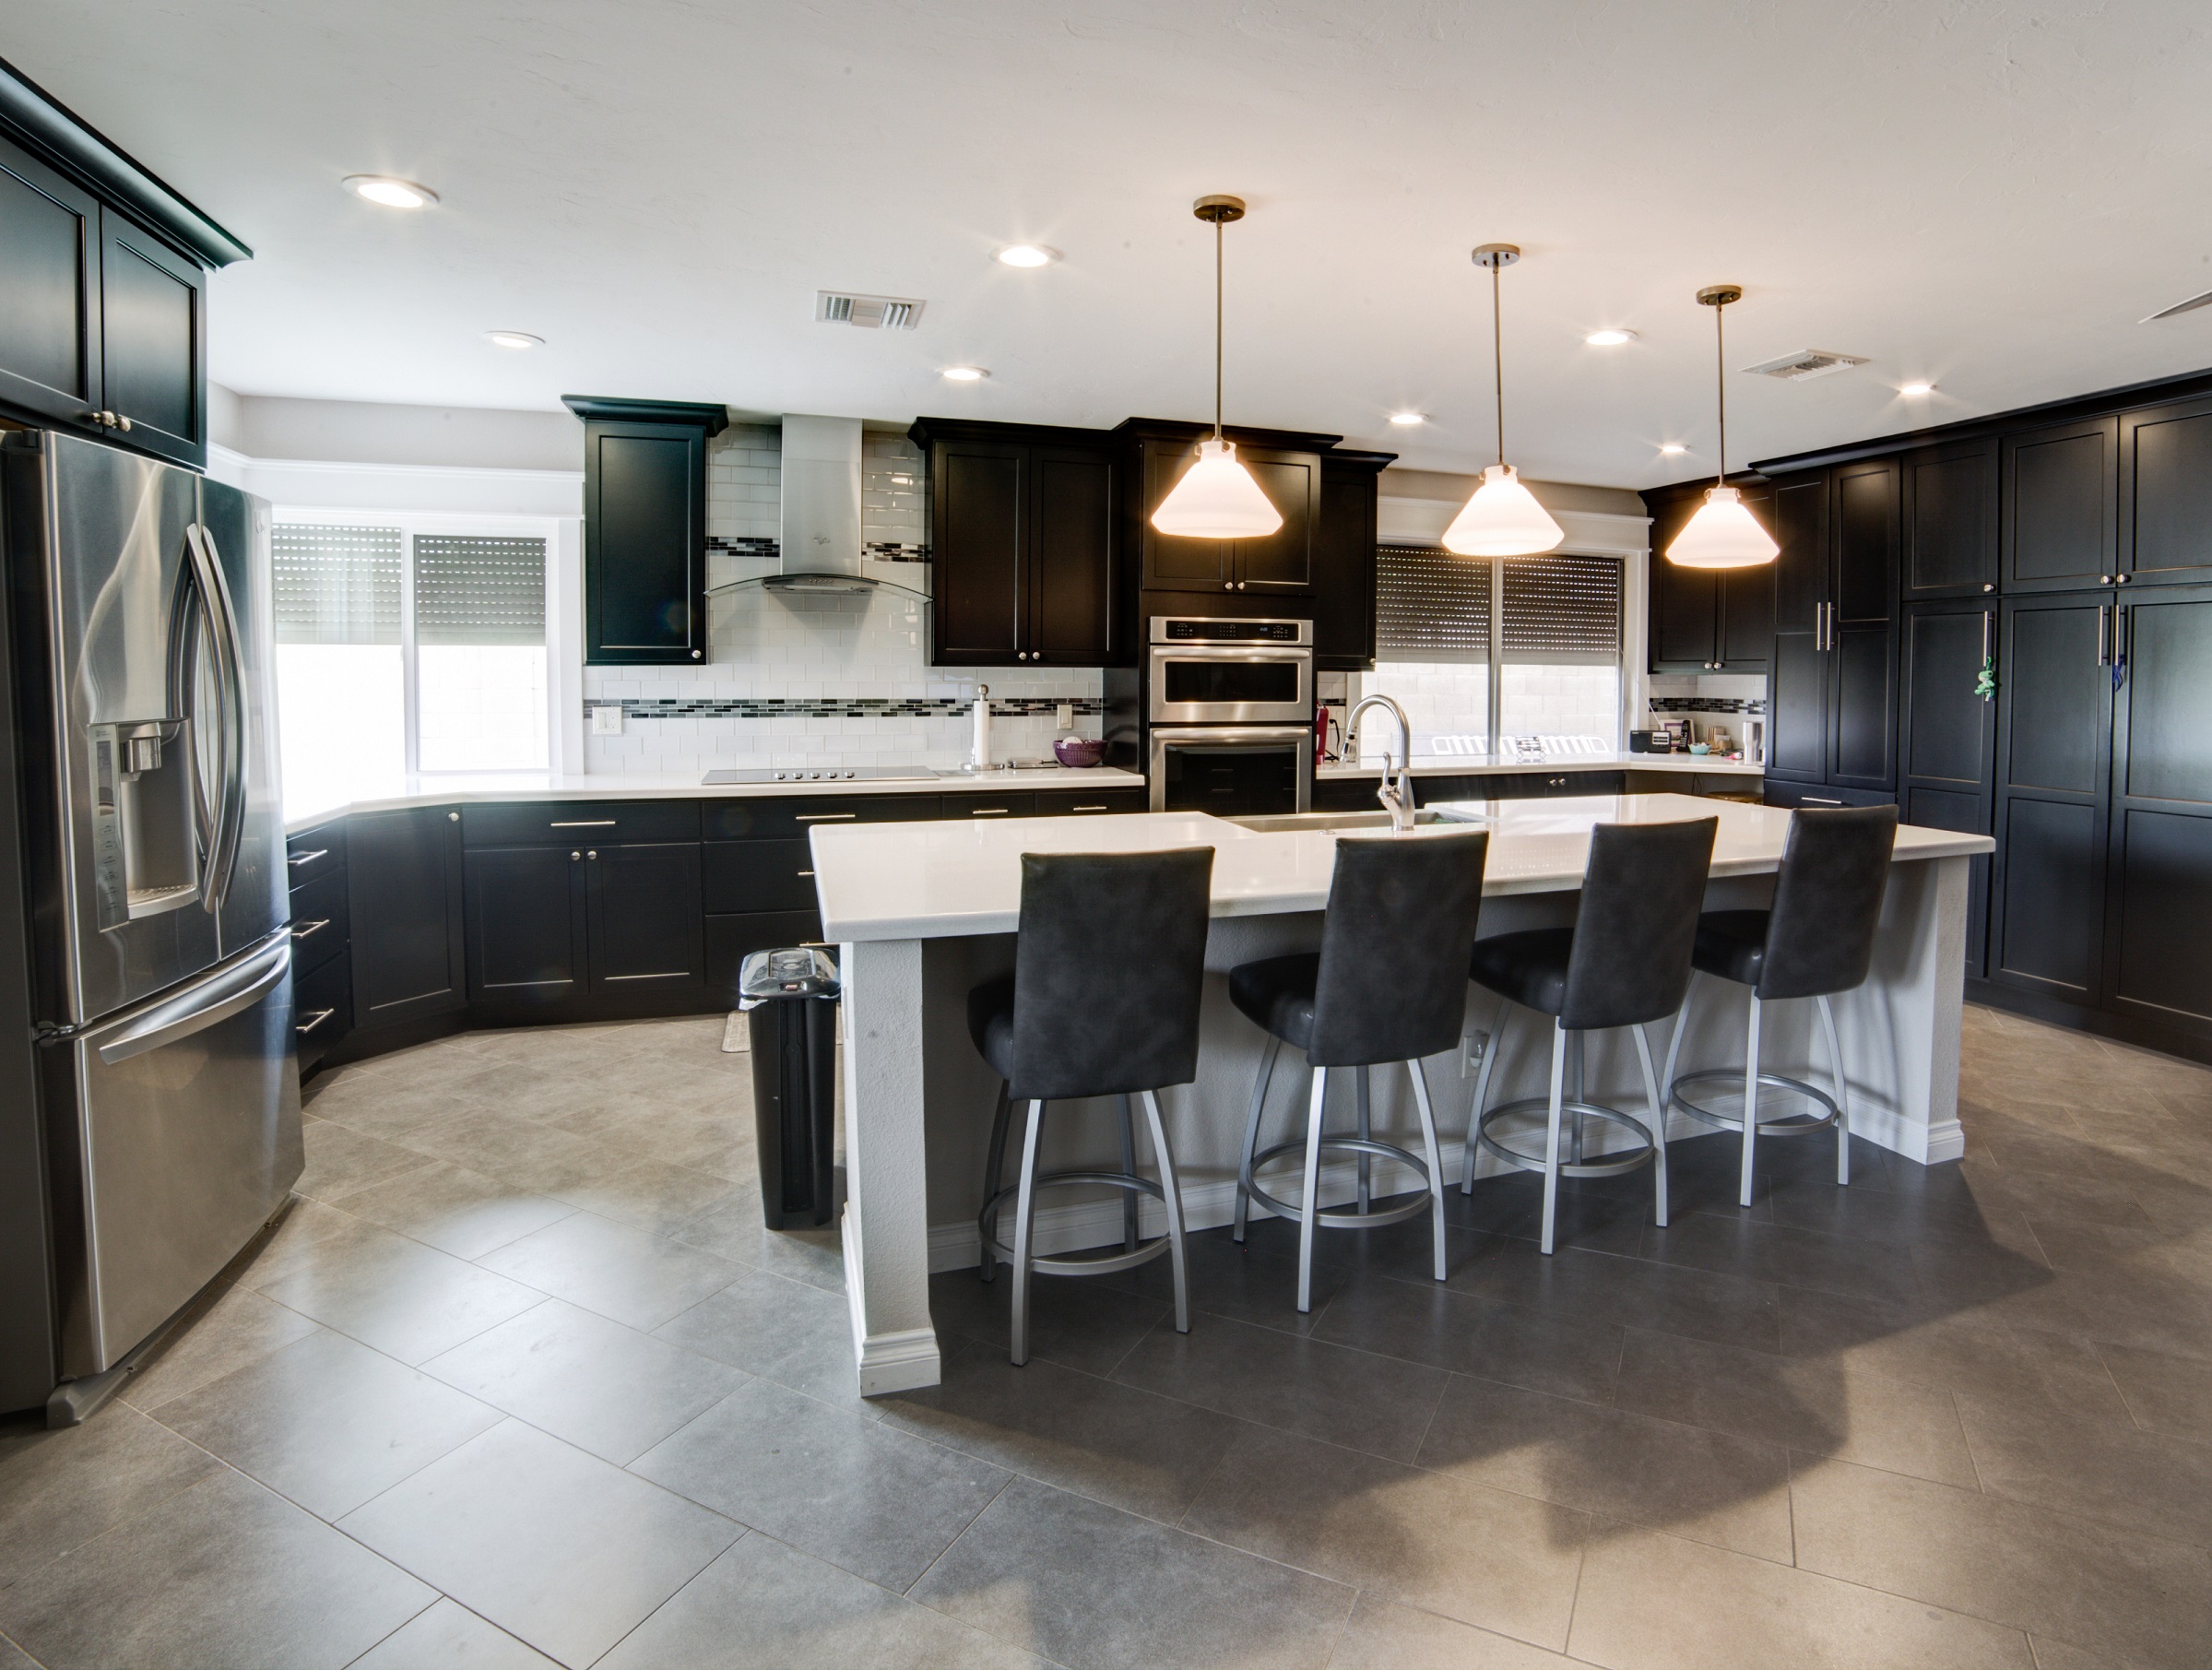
column 155, row 944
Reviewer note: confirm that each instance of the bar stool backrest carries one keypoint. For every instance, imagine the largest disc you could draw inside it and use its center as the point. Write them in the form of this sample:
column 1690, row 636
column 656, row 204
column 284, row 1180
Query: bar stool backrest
column 1641, row 891
column 1393, row 978
column 1827, row 900
column 1107, row 971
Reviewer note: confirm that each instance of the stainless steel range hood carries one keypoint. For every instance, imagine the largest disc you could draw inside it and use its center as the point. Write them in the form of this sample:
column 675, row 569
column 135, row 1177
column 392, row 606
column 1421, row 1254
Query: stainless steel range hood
column 823, row 550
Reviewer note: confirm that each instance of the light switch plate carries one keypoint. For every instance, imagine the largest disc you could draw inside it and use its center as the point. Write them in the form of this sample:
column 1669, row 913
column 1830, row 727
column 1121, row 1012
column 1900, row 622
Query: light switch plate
column 606, row 721
column 1067, row 716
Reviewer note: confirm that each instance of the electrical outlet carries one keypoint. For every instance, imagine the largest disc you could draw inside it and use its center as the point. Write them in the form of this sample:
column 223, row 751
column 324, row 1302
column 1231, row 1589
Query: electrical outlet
column 606, row 721
column 1066, row 713
column 1471, row 1053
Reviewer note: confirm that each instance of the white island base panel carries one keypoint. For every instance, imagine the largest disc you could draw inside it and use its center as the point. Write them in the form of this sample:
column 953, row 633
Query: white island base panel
column 918, row 1099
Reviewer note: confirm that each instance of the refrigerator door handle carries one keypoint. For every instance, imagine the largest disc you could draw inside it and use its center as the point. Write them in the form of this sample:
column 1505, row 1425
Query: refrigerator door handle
column 205, row 1002
column 222, row 620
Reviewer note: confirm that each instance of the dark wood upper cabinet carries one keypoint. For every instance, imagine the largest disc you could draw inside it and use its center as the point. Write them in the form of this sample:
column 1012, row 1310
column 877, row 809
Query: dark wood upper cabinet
column 1951, row 520
column 1343, row 588
column 1283, row 563
column 2166, row 493
column 2061, row 490
column 1946, row 764
column 49, row 290
column 645, row 529
column 152, row 343
column 1801, row 568
column 1706, row 620
column 404, row 888
column 1023, row 544
column 1866, row 540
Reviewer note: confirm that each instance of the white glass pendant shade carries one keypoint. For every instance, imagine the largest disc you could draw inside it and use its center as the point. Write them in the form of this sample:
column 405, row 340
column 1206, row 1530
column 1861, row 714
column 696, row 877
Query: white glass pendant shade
column 1217, row 498
column 1723, row 534
column 1503, row 519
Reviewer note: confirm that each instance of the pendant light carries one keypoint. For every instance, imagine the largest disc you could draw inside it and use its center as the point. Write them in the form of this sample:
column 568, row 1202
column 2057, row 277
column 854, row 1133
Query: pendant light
column 1723, row 533
column 1217, row 498
column 1503, row 519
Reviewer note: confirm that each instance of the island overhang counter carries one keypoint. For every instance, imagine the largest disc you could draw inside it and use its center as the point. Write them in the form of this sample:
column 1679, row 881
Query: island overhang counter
column 922, row 912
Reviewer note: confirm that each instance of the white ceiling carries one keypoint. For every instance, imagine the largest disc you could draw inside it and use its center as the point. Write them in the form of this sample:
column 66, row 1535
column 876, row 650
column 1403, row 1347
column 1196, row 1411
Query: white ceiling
column 1985, row 193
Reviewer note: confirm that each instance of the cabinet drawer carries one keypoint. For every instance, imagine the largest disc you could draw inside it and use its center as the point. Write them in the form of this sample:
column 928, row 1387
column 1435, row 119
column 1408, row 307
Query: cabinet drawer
column 1022, row 804
column 1055, row 805
column 765, row 819
column 318, row 922
column 322, row 1009
column 758, row 875
column 730, row 938
column 315, row 853
column 1817, row 795
column 1557, row 783
column 587, row 822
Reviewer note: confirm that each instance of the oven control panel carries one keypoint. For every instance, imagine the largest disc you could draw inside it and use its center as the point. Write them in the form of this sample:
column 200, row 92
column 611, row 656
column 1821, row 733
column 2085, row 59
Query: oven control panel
column 1185, row 629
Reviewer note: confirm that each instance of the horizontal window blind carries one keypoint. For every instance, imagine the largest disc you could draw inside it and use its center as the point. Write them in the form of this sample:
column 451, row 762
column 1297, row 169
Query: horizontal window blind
column 337, row 584
column 1561, row 609
column 478, row 591
column 1430, row 606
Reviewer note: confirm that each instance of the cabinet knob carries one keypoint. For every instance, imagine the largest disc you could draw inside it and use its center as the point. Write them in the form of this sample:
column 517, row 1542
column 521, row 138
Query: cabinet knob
column 694, row 655
column 593, row 857
column 1228, row 586
column 2104, row 579
column 576, row 858
column 2121, row 579
column 1987, row 586
column 453, row 817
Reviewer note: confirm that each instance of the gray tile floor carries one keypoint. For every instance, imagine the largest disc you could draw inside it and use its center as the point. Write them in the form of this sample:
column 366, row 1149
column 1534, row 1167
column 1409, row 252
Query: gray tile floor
column 522, row 1379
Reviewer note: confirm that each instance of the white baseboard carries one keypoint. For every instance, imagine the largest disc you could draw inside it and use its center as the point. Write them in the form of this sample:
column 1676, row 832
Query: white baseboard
column 906, row 1360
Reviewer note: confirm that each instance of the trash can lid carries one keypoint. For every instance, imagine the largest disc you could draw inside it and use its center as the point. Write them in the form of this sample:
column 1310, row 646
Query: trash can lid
column 803, row 971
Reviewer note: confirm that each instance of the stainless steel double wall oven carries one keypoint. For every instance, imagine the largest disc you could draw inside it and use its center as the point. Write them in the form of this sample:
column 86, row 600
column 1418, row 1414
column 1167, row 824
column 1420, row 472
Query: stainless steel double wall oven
column 1228, row 714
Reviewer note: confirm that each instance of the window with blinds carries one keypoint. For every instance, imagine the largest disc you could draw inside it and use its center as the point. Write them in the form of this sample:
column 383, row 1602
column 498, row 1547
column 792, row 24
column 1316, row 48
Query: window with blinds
column 1431, row 606
column 480, row 591
column 338, row 584
column 1560, row 609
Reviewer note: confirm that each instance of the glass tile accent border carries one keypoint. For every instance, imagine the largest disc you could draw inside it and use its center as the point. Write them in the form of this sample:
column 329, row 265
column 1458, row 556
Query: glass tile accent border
column 875, row 551
column 841, row 707
column 1750, row 704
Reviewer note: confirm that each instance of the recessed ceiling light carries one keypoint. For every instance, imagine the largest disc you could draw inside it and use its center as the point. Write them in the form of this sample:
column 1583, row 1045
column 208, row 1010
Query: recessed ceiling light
column 1671, row 448
column 964, row 373
column 1915, row 391
column 513, row 338
column 1408, row 418
column 1028, row 254
column 1609, row 337
column 391, row 192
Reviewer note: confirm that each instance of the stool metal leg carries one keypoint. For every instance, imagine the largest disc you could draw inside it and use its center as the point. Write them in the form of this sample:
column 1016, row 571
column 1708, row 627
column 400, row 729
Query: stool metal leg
column 1366, row 1122
column 1751, row 1099
column 1827, row 1020
column 1172, row 1187
column 1129, row 1168
column 994, row 1170
column 1682, row 1026
column 1551, row 1139
column 1659, row 1125
column 1435, row 1157
column 1481, row 1090
column 1310, row 1197
column 1024, row 1219
column 1251, row 1135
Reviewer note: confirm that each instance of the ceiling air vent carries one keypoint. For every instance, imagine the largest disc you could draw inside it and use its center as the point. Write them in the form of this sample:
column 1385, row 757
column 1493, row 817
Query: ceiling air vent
column 870, row 312
column 2179, row 307
column 1806, row 362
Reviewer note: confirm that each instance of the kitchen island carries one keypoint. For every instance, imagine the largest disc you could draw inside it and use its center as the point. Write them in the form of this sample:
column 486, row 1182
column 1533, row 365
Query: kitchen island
column 923, row 912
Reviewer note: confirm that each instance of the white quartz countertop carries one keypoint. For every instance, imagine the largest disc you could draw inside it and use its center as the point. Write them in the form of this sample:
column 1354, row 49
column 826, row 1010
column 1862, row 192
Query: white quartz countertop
column 932, row 881
column 1447, row 766
column 467, row 790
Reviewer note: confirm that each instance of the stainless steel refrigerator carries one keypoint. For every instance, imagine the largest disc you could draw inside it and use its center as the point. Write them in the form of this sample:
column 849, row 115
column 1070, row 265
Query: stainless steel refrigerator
column 151, row 867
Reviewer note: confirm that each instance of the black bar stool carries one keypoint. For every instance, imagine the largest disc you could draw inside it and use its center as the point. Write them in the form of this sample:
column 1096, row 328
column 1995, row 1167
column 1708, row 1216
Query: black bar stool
column 1104, row 1000
column 1386, row 986
column 1817, row 940
column 1625, row 962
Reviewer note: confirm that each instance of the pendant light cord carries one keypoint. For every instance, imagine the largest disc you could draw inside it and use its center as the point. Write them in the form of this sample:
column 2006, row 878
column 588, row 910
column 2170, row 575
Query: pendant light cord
column 1720, row 385
column 1217, row 316
column 1498, row 354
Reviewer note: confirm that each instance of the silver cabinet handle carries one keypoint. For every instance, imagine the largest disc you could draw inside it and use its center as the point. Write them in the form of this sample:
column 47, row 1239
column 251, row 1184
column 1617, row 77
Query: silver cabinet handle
column 298, row 859
column 1986, row 619
column 987, row 812
column 806, row 873
column 1086, row 809
column 1813, row 799
column 314, row 1021
column 2105, row 653
column 584, row 823
column 826, row 817
column 302, row 930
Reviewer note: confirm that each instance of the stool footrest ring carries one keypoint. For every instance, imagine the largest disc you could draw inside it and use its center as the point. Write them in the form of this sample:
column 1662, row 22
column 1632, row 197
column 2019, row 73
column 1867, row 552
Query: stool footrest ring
column 1781, row 1124
column 1336, row 1218
column 986, row 1225
column 1580, row 1168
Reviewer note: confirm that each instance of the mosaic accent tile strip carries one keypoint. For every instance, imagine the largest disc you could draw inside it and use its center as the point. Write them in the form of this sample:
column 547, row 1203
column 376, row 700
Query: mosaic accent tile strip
column 744, row 547
column 841, row 707
column 1745, row 705
column 885, row 550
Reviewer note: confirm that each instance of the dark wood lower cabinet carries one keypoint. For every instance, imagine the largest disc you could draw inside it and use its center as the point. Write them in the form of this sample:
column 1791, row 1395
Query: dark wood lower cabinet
column 526, row 924
column 645, row 920
column 1947, row 740
column 405, row 897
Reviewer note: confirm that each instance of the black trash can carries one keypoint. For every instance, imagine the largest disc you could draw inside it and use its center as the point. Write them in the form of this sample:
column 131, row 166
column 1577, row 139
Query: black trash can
column 791, row 997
